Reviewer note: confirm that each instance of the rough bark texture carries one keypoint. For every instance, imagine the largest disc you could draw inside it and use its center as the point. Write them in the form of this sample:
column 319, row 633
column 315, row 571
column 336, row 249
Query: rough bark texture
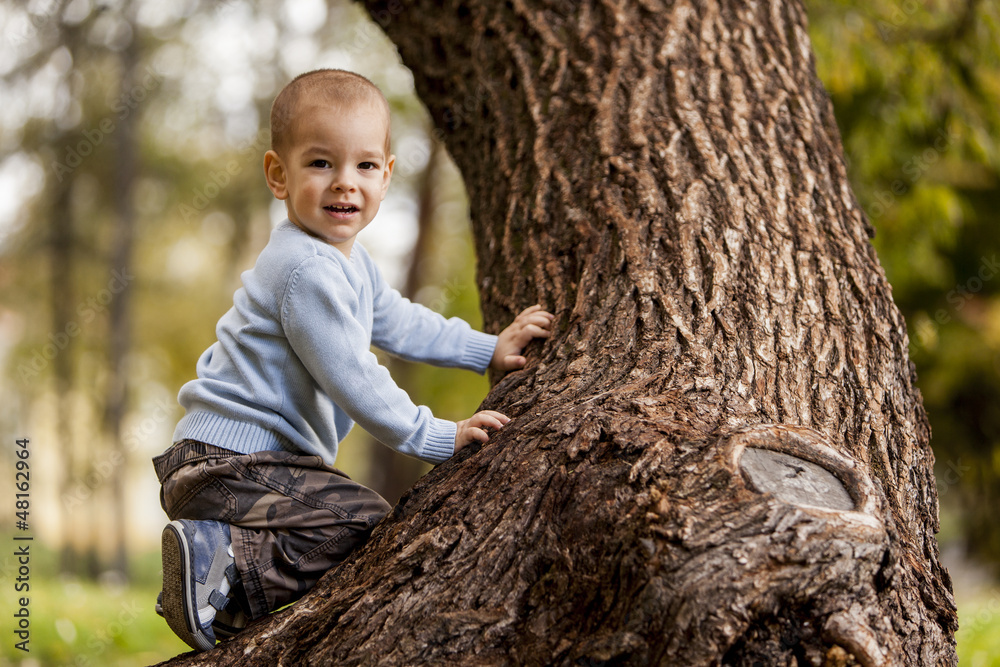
column 669, row 180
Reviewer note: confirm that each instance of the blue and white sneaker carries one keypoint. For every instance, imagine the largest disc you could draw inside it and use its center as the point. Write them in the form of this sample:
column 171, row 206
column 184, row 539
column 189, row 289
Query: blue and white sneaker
column 199, row 571
column 229, row 621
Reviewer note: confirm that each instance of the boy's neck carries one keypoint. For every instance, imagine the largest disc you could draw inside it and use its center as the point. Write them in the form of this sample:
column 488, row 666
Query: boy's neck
column 344, row 246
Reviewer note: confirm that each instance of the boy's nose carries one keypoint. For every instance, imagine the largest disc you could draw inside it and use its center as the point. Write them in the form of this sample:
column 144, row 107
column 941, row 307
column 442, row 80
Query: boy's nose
column 343, row 182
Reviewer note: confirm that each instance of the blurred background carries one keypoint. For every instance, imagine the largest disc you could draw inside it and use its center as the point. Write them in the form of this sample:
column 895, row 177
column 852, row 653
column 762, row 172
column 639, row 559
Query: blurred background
column 131, row 198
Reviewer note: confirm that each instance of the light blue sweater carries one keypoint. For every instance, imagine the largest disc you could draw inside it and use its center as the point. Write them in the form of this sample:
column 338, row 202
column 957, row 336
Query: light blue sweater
column 292, row 369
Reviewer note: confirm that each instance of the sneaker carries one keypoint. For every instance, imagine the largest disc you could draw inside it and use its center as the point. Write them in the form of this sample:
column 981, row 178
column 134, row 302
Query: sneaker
column 199, row 571
column 228, row 621
column 231, row 619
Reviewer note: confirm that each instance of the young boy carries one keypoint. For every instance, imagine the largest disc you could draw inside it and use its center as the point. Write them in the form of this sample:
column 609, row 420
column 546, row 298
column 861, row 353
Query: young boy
column 258, row 511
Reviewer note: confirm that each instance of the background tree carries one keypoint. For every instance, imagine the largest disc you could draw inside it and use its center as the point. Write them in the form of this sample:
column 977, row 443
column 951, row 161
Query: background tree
column 721, row 456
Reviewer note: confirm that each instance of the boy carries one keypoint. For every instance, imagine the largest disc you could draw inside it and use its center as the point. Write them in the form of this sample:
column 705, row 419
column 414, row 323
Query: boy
column 258, row 512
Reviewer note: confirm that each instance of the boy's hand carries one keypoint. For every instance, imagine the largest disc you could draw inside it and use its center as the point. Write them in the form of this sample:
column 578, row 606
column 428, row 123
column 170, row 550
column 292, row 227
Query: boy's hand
column 533, row 322
column 471, row 429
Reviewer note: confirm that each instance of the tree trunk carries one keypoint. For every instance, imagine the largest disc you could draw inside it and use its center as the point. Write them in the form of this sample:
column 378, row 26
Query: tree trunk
column 119, row 314
column 77, row 553
column 720, row 457
column 62, row 260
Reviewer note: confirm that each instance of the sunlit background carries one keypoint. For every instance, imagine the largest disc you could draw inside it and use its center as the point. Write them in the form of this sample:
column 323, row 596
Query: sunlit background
column 131, row 198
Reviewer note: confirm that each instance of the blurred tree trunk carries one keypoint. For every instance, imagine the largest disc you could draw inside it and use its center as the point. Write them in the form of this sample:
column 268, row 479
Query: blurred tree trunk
column 720, row 457
column 78, row 554
column 391, row 472
column 119, row 311
column 63, row 320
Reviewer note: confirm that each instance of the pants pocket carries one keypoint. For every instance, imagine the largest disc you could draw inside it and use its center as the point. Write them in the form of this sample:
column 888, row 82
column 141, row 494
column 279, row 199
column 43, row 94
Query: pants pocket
column 194, row 492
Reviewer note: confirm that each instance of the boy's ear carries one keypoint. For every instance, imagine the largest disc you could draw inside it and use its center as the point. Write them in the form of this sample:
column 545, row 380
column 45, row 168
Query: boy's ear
column 274, row 172
column 387, row 174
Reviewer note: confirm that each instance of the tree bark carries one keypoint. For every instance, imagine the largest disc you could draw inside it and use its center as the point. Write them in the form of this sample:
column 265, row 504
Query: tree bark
column 728, row 367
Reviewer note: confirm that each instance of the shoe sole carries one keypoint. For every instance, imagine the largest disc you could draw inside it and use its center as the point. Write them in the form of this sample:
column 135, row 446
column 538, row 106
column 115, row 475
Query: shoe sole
column 179, row 606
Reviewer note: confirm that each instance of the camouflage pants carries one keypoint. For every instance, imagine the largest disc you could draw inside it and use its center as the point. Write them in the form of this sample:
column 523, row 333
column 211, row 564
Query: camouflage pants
column 292, row 517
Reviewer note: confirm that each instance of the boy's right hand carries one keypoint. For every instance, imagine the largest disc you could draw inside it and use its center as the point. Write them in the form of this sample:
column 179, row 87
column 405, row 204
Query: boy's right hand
column 471, row 429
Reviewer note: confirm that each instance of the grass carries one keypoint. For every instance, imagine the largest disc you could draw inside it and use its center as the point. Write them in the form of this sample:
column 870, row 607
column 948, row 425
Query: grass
column 78, row 623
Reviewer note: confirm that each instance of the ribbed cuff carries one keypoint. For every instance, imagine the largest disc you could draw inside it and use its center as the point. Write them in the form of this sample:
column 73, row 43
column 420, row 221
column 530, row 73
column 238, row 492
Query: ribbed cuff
column 440, row 443
column 238, row 436
column 479, row 351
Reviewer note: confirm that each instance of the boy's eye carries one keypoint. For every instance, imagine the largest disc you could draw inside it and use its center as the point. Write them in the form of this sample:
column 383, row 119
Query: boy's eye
column 322, row 164
column 367, row 165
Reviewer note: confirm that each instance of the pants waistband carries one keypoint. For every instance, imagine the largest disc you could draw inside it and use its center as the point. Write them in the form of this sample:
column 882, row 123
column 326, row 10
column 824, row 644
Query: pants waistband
column 186, row 452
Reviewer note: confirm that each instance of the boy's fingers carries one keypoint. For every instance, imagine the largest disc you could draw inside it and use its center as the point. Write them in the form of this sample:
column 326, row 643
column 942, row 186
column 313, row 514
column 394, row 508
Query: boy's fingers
column 538, row 331
column 478, row 434
column 541, row 320
column 487, row 419
column 491, row 418
column 529, row 332
column 512, row 362
column 494, row 424
column 535, row 312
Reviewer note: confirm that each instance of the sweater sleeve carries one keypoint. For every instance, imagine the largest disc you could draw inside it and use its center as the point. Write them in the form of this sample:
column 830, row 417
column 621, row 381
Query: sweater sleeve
column 319, row 314
column 416, row 333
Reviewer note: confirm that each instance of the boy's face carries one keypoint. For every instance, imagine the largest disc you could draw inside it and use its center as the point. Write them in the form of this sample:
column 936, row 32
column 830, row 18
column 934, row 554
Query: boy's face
column 335, row 173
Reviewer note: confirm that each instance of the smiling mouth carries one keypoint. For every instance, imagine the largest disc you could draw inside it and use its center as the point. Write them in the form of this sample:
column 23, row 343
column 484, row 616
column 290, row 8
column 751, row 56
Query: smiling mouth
column 342, row 208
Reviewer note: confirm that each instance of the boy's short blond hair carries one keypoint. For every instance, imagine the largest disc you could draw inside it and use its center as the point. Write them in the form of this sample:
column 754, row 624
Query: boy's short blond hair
column 324, row 86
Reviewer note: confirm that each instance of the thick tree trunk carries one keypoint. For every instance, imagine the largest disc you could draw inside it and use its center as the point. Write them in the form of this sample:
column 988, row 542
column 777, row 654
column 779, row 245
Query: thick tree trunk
column 720, row 457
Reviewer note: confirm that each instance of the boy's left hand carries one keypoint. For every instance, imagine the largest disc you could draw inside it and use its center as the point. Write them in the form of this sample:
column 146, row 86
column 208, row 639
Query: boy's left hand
column 533, row 322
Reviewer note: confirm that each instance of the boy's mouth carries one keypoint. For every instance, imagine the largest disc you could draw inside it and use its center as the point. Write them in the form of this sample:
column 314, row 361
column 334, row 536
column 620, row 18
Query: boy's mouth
column 342, row 209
